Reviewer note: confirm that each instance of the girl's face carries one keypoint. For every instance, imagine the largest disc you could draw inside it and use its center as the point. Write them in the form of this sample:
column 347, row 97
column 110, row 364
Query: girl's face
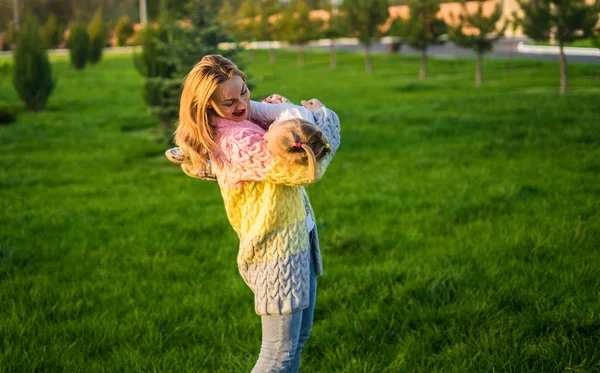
column 231, row 99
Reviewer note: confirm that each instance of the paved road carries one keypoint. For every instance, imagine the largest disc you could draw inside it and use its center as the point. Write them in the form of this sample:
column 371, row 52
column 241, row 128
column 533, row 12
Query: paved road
column 504, row 48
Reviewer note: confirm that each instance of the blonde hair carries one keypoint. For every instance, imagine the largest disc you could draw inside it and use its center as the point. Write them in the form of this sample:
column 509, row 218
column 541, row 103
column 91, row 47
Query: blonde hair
column 194, row 134
column 313, row 144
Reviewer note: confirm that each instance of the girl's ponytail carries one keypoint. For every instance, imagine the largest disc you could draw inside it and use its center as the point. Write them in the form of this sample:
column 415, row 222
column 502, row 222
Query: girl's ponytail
column 312, row 161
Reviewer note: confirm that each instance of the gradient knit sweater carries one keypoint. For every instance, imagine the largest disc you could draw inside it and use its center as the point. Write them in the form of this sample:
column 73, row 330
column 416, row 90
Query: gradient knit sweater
column 267, row 207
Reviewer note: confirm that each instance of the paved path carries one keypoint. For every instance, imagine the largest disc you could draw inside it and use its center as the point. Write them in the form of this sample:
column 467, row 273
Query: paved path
column 504, row 48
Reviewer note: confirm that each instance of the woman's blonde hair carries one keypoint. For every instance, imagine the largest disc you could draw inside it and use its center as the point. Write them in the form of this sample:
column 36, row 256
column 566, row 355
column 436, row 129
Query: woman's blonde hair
column 301, row 142
column 194, row 134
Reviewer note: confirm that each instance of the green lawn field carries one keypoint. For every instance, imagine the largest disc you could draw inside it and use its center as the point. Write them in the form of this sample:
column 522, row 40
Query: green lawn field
column 460, row 226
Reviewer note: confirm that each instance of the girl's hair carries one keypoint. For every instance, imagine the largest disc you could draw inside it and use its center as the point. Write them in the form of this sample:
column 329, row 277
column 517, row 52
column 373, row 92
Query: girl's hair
column 301, row 142
column 194, row 134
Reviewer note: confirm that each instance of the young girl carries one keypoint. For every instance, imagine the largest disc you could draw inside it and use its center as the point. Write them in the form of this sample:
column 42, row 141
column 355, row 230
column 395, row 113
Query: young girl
column 279, row 256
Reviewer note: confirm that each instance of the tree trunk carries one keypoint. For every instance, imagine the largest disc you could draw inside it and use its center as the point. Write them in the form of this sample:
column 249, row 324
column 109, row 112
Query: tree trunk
column 368, row 66
column 423, row 73
column 300, row 55
column 478, row 68
column 333, row 61
column 563, row 69
column 272, row 58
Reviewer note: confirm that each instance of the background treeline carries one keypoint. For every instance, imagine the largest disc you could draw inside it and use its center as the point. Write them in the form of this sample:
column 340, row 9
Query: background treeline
column 66, row 10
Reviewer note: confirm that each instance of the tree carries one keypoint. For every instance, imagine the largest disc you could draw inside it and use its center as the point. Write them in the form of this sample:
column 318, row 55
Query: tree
column 295, row 26
column 365, row 17
column 52, row 32
column 10, row 36
column 561, row 20
column 97, row 33
column 334, row 28
column 79, row 45
column 32, row 70
column 265, row 28
column 123, row 30
column 423, row 28
column 484, row 32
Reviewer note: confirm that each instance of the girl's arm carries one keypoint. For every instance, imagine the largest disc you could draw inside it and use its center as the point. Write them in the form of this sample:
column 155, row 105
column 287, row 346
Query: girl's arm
column 328, row 121
column 270, row 112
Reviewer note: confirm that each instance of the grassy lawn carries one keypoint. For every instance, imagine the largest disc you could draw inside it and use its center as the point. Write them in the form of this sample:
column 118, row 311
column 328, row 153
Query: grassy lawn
column 584, row 43
column 459, row 226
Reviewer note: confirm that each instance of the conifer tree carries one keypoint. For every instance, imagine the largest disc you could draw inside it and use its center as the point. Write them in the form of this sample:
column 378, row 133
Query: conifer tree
column 423, row 28
column 484, row 31
column 561, row 20
column 97, row 34
column 52, row 32
column 79, row 45
column 365, row 18
column 123, row 30
column 32, row 70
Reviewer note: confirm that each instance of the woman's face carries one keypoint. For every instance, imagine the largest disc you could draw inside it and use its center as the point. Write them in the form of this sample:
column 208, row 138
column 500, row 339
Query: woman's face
column 231, row 99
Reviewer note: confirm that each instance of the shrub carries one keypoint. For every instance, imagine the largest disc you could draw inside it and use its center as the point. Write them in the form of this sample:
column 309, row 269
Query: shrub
column 52, row 32
column 123, row 30
column 79, row 45
column 151, row 61
column 8, row 113
column 97, row 34
column 9, row 36
column 32, row 70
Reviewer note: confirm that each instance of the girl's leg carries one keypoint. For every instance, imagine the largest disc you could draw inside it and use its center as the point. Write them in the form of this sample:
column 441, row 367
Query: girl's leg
column 279, row 342
column 307, row 314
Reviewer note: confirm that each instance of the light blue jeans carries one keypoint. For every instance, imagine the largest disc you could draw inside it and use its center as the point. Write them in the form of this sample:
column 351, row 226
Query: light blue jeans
column 284, row 337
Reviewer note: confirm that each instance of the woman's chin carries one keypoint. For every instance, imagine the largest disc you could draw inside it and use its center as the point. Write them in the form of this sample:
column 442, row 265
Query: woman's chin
column 236, row 118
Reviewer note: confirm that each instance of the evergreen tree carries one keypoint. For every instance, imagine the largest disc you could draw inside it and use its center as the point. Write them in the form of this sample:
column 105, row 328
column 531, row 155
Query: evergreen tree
column 365, row 18
column 423, row 28
column 561, row 20
column 123, row 30
column 52, row 32
column 295, row 26
column 79, row 45
column 10, row 36
column 32, row 70
column 484, row 32
column 97, row 34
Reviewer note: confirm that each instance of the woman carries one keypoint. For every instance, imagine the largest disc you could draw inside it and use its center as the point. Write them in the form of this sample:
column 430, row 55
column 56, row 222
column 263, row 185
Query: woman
column 279, row 256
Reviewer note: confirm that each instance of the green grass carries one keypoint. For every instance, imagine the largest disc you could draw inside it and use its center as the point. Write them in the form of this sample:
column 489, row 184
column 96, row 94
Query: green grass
column 459, row 226
column 583, row 43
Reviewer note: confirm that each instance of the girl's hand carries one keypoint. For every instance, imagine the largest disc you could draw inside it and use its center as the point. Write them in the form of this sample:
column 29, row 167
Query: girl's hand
column 275, row 99
column 312, row 105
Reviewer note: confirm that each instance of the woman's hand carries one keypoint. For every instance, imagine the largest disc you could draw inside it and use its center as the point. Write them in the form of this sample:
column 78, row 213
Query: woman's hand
column 312, row 105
